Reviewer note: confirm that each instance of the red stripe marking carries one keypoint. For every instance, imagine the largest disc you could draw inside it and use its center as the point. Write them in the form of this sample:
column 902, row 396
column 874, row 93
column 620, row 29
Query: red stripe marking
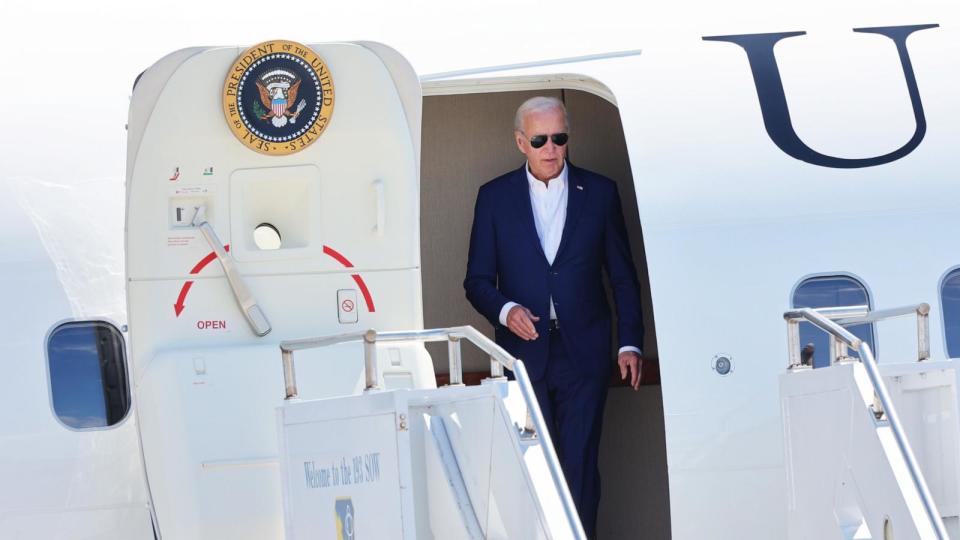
column 203, row 262
column 336, row 255
column 207, row 260
column 365, row 291
column 178, row 307
column 183, row 292
column 367, row 297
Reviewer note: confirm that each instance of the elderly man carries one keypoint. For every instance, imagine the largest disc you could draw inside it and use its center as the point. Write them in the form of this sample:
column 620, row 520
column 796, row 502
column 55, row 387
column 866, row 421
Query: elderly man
column 541, row 235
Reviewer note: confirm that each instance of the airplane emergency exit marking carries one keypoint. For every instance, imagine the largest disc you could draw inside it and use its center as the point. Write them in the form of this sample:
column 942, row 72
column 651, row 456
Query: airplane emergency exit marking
column 367, row 297
column 185, row 289
column 212, row 325
column 181, row 298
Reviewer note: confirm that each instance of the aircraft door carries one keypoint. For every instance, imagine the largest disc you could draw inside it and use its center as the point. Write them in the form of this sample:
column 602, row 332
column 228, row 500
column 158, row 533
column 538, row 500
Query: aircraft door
column 272, row 194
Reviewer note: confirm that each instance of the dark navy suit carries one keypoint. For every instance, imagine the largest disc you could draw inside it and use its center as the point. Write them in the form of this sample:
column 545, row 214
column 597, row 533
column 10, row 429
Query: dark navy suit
column 570, row 367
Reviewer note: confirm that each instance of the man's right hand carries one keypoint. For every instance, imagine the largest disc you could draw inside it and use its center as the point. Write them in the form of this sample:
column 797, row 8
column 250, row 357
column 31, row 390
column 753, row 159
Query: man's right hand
column 520, row 322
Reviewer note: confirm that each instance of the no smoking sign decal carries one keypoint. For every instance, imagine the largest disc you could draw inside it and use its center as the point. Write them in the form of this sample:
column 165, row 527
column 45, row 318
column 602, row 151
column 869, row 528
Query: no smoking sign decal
column 347, row 306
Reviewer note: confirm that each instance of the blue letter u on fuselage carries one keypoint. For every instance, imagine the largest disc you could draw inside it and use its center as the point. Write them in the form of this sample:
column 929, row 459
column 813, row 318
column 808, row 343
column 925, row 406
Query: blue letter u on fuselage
column 773, row 102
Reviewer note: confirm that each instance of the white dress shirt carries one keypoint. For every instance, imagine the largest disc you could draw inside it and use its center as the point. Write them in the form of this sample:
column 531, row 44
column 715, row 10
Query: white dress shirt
column 549, row 203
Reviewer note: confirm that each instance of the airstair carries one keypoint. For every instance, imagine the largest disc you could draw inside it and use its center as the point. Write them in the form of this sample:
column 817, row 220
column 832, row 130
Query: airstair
column 871, row 449
column 455, row 462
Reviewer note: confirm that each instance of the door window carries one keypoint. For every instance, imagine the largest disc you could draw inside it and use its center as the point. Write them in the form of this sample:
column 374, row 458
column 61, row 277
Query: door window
column 831, row 291
column 88, row 375
column 950, row 297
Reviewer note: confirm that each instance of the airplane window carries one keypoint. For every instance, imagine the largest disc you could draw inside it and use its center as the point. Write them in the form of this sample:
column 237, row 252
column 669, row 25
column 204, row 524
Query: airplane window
column 88, row 375
column 831, row 291
column 950, row 296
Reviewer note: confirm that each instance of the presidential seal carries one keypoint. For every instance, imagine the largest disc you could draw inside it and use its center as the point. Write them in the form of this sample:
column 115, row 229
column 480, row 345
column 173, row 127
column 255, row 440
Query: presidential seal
column 278, row 97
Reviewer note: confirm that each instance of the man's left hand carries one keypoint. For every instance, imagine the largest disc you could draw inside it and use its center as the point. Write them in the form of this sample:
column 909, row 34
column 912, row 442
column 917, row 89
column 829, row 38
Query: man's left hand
column 630, row 364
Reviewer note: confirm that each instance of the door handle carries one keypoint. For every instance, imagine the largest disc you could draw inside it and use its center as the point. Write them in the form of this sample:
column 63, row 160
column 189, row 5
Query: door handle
column 245, row 299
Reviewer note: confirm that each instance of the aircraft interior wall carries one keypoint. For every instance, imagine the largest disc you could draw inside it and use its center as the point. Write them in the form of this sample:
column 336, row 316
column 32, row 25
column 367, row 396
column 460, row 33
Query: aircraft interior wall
column 467, row 140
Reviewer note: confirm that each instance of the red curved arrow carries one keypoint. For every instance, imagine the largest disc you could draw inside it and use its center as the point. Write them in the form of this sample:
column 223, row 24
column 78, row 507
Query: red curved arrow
column 367, row 297
column 178, row 307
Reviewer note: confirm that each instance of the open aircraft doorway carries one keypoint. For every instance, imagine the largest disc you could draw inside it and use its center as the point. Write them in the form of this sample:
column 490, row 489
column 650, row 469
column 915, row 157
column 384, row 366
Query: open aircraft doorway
column 467, row 140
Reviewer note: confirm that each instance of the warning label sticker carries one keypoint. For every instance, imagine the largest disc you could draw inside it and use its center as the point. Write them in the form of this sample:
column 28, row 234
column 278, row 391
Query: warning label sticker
column 178, row 241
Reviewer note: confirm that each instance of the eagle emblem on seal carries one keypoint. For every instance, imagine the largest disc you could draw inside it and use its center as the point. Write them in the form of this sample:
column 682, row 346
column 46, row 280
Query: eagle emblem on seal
column 278, row 97
column 278, row 91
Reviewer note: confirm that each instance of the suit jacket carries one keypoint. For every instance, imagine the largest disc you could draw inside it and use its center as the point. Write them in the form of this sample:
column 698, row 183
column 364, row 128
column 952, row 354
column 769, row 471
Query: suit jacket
column 506, row 263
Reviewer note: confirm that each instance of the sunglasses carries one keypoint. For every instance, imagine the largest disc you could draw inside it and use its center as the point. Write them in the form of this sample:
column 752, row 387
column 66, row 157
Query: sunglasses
column 559, row 139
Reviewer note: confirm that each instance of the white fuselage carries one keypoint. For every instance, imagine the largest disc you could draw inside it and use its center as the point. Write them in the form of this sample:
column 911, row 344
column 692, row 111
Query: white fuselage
column 731, row 224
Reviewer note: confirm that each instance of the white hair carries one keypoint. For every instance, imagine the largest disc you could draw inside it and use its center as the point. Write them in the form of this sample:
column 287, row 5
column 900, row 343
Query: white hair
column 537, row 104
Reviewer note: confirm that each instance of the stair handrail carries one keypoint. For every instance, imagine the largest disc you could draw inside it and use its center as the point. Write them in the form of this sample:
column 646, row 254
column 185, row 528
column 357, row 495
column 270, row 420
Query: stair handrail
column 852, row 315
column 821, row 318
column 499, row 358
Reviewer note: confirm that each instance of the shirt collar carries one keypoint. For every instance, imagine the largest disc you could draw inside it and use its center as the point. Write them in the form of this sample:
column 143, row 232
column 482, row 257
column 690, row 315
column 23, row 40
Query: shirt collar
column 560, row 180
